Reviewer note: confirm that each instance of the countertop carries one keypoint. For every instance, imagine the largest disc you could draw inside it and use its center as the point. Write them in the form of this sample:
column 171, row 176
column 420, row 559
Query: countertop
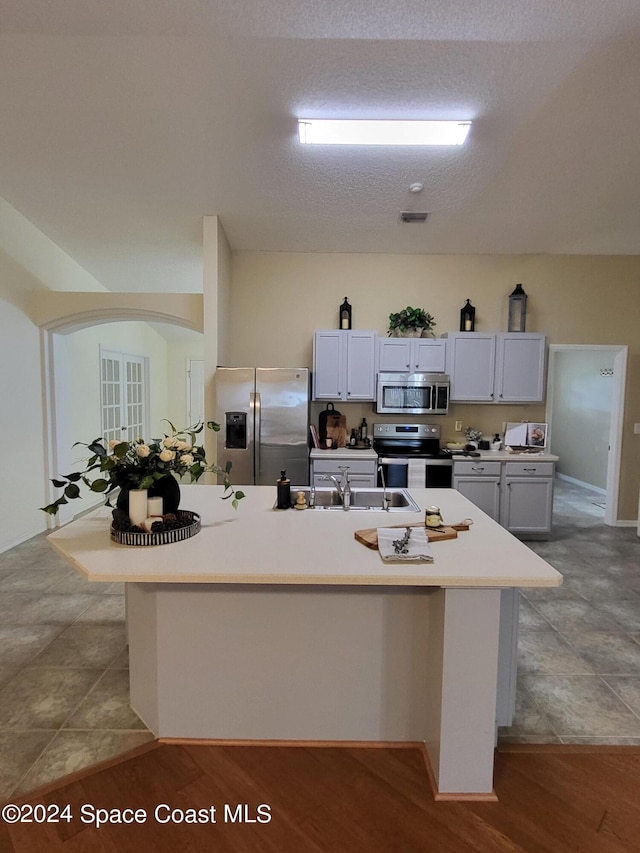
column 506, row 456
column 344, row 453
column 256, row 544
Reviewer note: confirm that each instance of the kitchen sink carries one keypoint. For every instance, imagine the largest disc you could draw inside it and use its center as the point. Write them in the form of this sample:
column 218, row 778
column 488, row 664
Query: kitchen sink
column 361, row 499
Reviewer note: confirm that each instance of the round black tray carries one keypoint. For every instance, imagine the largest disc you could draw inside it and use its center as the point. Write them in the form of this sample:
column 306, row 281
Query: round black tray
column 165, row 537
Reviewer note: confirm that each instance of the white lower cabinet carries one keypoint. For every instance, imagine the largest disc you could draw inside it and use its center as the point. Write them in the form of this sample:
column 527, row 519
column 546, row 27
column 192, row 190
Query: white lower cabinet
column 363, row 473
column 480, row 483
column 527, row 504
column 517, row 494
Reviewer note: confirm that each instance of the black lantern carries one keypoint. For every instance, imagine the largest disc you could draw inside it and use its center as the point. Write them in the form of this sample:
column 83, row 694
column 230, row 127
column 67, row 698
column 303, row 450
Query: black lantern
column 468, row 318
column 345, row 314
column 517, row 310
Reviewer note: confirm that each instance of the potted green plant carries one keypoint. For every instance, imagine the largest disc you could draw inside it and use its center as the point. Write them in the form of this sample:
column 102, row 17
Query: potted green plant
column 138, row 465
column 410, row 323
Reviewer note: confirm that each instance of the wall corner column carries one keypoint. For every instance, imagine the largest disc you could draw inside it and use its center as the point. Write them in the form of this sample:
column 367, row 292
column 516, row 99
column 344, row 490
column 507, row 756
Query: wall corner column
column 216, row 289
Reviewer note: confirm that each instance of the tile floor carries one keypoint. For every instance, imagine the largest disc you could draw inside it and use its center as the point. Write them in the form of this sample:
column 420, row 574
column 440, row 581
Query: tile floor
column 64, row 681
column 63, row 658
column 579, row 645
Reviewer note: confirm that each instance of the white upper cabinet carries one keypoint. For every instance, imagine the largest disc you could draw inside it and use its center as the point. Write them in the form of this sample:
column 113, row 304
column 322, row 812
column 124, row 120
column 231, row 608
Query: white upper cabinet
column 471, row 366
column 344, row 365
column 520, row 362
column 412, row 355
column 496, row 368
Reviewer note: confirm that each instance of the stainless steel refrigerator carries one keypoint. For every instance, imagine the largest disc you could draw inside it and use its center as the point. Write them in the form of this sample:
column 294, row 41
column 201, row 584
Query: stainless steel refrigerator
column 263, row 414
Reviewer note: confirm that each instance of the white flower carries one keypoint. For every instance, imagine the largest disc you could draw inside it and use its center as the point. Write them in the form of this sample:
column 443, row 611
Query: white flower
column 183, row 445
column 170, row 442
column 186, row 459
column 142, row 450
column 167, row 455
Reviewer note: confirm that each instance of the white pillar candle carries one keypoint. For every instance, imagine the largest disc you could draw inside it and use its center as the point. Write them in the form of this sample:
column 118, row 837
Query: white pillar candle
column 137, row 506
column 154, row 506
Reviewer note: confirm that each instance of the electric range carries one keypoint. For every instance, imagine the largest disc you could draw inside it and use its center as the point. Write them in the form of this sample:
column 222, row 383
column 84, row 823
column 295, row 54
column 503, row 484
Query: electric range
column 404, row 450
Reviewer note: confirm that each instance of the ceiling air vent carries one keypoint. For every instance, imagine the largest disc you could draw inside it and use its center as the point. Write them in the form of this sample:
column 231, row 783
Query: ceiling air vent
column 411, row 216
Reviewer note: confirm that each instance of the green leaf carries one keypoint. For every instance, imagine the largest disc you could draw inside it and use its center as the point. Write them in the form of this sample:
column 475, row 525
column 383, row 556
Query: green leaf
column 173, row 429
column 240, row 494
column 73, row 478
column 99, row 485
column 59, row 484
column 214, row 426
column 52, row 509
column 234, row 503
column 97, row 448
column 72, row 491
column 147, row 482
column 120, row 450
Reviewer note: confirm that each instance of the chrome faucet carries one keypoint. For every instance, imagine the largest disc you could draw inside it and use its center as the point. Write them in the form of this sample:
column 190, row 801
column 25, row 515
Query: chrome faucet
column 343, row 486
column 385, row 499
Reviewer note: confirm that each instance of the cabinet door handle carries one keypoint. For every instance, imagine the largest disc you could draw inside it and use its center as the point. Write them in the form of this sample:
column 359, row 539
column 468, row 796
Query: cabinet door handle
column 473, row 468
column 530, row 470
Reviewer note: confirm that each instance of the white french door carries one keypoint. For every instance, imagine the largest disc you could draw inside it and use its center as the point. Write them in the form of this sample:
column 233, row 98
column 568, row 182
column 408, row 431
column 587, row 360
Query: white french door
column 123, row 395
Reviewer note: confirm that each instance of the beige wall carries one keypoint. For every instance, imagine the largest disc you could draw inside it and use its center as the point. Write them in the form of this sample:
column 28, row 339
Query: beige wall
column 279, row 299
column 21, row 411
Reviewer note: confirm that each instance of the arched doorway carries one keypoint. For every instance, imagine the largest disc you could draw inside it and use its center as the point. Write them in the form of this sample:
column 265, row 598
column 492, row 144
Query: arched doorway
column 72, row 347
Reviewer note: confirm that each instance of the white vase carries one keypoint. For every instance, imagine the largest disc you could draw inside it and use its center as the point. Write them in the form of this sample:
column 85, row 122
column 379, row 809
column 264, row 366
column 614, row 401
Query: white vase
column 138, row 506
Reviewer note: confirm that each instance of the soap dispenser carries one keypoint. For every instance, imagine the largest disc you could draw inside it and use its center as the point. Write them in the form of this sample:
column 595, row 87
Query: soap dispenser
column 284, row 491
column 496, row 444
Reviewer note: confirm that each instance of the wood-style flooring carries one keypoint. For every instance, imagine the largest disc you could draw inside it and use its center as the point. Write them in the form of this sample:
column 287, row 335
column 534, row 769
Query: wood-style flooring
column 329, row 799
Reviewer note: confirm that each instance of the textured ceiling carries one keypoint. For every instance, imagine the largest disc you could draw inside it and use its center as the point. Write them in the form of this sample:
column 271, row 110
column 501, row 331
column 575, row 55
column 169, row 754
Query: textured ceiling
column 123, row 123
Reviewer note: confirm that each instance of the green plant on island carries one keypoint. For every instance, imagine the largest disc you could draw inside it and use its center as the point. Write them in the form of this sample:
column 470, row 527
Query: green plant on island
column 136, row 464
column 411, row 318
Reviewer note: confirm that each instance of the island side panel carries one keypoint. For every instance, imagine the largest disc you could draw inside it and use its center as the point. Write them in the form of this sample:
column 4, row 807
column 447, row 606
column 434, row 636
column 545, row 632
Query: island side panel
column 293, row 663
column 462, row 671
column 141, row 604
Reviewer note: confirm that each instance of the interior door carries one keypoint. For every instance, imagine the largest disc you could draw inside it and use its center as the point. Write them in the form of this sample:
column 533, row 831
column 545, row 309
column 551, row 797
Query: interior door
column 123, row 394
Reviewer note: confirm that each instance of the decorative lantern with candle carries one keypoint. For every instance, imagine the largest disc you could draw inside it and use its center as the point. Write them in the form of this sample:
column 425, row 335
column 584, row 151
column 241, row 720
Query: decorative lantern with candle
column 345, row 314
column 517, row 310
column 468, row 318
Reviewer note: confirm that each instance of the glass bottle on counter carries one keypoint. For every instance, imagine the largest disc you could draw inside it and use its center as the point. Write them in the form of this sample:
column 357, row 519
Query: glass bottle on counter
column 353, row 440
column 363, row 430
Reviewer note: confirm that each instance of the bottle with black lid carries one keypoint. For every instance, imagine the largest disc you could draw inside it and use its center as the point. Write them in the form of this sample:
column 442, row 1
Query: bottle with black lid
column 284, row 491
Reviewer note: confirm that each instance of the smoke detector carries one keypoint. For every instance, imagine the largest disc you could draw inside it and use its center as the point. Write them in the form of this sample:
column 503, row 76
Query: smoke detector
column 413, row 216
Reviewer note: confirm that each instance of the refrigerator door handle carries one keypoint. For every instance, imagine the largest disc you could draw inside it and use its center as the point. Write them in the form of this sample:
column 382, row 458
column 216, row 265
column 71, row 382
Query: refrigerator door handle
column 256, row 403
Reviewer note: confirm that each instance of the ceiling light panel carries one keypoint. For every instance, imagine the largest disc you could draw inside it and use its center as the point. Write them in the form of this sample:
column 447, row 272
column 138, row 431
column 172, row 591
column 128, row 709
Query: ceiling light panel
column 364, row 132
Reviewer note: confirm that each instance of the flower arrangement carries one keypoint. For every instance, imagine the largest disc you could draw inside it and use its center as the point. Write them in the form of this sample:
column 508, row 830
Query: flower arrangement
column 410, row 318
column 135, row 464
column 473, row 434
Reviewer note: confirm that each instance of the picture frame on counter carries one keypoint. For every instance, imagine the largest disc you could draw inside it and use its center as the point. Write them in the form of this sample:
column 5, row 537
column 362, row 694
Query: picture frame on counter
column 526, row 434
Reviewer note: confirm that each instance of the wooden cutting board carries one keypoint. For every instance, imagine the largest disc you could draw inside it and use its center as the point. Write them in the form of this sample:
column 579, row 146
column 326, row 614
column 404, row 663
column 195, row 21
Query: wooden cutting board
column 369, row 537
column 337, row 429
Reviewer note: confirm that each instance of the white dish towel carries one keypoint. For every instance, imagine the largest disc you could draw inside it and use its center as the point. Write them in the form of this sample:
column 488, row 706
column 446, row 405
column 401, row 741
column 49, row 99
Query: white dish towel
column 418, row 547
column 416, row 474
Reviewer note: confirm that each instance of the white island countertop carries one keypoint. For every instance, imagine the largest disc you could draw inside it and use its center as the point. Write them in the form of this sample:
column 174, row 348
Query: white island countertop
column 506, row 456
column 259, row 545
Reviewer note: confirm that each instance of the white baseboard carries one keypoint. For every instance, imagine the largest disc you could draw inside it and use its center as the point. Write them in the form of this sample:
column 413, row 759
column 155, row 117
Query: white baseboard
column 584, row 485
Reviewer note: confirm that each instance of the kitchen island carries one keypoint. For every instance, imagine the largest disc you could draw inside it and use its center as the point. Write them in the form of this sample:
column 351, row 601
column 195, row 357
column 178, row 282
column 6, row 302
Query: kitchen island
column 279, row 625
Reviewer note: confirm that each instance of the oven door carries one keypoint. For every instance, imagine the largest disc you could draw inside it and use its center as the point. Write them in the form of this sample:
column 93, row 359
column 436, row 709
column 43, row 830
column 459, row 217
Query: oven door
column 395, row 472
column 438, row 473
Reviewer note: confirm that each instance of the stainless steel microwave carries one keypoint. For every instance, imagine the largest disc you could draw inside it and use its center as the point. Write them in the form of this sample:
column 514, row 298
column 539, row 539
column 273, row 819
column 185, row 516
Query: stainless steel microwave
column 412, row 394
